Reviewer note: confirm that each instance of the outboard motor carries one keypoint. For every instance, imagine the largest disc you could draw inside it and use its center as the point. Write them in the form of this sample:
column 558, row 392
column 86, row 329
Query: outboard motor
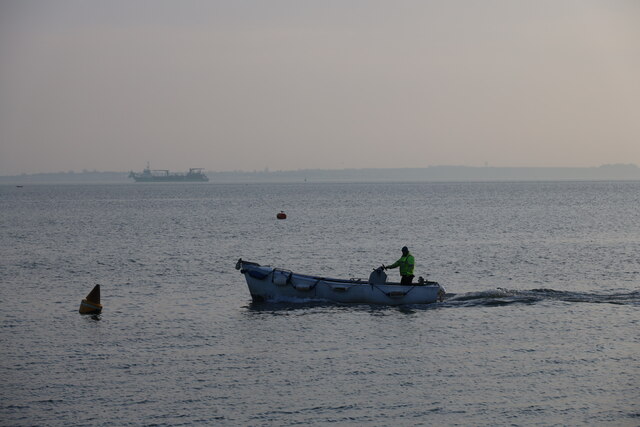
column 378, row 277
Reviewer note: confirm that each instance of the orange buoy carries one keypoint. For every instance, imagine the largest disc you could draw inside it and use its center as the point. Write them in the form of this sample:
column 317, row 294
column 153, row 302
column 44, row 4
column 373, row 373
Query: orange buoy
column 91, row 304
column 281, row 215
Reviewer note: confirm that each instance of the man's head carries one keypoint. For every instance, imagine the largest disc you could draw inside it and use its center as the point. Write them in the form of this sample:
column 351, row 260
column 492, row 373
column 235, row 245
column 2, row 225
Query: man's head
column 405, row 251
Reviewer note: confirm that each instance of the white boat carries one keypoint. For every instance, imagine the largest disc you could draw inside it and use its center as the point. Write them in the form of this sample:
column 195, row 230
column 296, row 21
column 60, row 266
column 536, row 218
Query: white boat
column 275, row 284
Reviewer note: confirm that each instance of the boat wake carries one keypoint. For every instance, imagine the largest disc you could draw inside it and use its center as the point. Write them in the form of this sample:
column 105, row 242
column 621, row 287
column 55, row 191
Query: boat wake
column 501, row 297
column 490, row 298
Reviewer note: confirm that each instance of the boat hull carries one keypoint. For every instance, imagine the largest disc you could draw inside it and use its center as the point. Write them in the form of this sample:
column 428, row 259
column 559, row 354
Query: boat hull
column 272, row 284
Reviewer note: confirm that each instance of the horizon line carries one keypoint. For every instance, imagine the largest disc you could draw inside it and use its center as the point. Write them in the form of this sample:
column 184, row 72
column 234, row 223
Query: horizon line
column 268, row 170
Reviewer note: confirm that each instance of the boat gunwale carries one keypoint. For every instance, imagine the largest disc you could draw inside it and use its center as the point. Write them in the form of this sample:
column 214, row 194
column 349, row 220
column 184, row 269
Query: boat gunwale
column 330, row 280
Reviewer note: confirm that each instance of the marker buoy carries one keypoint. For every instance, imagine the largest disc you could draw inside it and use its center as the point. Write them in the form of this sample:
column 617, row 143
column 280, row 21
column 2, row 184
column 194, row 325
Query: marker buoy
column 281, row 215
column 91, row 304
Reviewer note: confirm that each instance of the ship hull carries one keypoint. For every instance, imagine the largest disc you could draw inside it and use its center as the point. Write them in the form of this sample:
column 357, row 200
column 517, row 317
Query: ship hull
column 170, row 179
column 148, row 175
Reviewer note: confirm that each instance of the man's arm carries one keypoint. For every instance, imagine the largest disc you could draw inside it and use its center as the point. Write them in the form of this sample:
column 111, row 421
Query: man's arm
column 394, row 265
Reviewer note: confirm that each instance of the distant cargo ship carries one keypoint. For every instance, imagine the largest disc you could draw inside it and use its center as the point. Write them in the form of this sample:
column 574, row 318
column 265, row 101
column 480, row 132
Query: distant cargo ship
column 163, row 175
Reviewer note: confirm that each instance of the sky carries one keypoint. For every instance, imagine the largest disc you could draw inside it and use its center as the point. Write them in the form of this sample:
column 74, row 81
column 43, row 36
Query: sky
column 289, row 84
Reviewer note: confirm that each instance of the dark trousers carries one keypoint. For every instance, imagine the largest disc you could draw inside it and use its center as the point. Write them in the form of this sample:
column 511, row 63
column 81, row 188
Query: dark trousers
column 406, row 280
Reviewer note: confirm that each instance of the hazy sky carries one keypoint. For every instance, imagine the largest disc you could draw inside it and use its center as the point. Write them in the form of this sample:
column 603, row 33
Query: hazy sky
column 244, row 85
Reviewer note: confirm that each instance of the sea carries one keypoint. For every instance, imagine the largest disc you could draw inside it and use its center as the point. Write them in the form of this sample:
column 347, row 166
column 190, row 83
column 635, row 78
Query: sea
column 540, row 325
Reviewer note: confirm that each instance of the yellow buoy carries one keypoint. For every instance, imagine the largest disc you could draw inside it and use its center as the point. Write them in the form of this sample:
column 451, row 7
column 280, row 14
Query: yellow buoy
column 91, row 304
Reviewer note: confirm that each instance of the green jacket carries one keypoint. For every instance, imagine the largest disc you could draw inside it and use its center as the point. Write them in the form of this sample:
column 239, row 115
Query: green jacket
column 405, row 263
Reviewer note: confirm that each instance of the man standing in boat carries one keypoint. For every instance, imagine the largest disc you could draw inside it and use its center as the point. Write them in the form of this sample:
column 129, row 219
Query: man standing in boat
column 406, row 264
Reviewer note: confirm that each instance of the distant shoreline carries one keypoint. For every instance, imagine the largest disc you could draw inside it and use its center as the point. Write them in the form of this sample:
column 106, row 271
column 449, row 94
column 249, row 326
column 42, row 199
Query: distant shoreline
column 617, row 172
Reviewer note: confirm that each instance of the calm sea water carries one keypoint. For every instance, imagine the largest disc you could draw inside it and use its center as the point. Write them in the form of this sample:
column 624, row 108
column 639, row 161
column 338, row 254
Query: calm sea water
column 539, row 327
